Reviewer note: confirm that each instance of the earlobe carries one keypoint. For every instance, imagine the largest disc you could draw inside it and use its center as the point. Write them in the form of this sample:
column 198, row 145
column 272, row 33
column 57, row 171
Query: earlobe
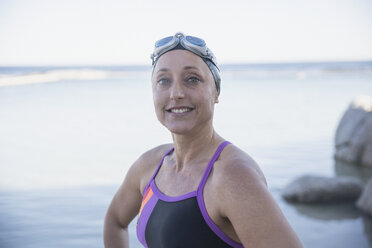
column 216, row 101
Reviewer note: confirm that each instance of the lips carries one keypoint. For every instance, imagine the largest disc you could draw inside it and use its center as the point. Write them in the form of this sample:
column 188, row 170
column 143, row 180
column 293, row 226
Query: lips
column 179, row 110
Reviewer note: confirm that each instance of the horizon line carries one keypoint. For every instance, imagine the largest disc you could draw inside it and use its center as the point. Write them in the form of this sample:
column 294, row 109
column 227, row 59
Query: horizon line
column 220, row 64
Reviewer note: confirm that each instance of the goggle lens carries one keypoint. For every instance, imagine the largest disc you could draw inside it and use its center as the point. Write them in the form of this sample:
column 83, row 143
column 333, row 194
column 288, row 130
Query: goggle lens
column 163, row 41
column 196, row 41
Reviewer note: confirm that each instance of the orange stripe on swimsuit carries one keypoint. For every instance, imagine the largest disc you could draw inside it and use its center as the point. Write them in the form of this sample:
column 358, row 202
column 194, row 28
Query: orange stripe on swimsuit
column 146, row 198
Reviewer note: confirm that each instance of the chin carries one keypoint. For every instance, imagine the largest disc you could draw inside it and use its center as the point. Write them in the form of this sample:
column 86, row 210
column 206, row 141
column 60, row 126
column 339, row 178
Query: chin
column 178, row 129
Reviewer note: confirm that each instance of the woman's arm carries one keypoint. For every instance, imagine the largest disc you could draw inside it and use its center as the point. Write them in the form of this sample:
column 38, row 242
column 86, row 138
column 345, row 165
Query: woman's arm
column 123, row 208
column 249, row 206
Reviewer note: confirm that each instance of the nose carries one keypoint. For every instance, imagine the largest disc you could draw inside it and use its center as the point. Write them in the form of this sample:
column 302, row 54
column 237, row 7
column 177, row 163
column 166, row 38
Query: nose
column 177, row 90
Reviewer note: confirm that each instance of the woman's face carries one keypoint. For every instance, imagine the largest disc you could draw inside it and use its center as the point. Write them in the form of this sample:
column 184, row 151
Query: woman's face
column 184, row 92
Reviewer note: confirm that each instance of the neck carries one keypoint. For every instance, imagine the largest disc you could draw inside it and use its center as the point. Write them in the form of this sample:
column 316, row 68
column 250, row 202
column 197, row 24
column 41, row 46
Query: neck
column 190, row 147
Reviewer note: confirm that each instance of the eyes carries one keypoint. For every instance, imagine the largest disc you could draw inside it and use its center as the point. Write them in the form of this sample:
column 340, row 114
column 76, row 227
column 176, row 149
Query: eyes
column 194, row 80
column 188, row 80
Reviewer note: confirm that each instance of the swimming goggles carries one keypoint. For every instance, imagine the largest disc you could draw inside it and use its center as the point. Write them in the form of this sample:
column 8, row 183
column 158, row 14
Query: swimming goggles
column 191, row 43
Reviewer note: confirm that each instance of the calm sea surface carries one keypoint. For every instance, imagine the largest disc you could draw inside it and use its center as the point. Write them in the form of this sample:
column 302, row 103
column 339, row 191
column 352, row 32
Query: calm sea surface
column 65, row 146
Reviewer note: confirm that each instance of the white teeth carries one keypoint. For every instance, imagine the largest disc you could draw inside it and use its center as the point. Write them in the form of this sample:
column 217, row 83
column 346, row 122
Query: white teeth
column 180, row 110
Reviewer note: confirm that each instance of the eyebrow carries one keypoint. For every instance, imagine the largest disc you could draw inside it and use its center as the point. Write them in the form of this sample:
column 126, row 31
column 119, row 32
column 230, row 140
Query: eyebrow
column 190, row 68
column 161, row 70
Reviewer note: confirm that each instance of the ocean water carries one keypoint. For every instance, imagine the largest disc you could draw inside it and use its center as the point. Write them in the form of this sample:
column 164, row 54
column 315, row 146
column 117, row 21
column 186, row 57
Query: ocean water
column 68, row 136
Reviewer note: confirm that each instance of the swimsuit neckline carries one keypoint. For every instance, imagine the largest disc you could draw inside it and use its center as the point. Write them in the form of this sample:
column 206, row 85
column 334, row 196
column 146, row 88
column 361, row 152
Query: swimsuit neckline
column 195, row 193
column 167, row 198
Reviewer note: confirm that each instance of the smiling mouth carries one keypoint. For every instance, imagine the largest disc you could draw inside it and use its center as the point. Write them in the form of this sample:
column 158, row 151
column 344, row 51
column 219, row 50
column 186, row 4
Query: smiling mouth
column 179, row 110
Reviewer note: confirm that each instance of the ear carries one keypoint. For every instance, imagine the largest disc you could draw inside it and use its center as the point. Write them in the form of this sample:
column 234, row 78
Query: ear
column 216, row 96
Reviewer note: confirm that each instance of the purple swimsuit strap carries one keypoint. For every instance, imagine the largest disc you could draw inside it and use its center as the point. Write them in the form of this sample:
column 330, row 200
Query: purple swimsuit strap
column 200, row 199
column 210, row 165
column 161, row 162
column 157, row 169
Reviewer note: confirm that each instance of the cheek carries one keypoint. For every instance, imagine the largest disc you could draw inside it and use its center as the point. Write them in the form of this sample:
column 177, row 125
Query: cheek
column 158, row 101
column 212, row 106
column 208, row 101
column 155, row 96
column 212, row 95
column 157, row 107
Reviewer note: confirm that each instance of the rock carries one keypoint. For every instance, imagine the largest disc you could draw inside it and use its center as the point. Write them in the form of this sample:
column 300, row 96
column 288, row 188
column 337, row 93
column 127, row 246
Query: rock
column 328, row 212
column 317, row 189
column 353, row 138
column 364, row 202
column 363, row 173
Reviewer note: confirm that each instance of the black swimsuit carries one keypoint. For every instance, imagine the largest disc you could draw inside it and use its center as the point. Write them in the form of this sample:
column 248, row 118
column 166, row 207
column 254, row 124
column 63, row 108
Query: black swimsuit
column 180, row 221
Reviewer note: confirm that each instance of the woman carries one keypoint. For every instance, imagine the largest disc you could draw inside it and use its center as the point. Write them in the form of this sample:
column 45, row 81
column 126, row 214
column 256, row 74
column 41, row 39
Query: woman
column 200, row 191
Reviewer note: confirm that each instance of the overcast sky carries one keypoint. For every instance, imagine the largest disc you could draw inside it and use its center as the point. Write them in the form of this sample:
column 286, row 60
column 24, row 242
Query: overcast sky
column 76, row 32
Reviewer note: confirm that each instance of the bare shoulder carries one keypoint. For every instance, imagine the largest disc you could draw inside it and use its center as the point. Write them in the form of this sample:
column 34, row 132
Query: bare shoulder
column 145, row 166
column 152, row 155
column 242, row 196
column 127, row 200
column 236, row 168
column 237, row 181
